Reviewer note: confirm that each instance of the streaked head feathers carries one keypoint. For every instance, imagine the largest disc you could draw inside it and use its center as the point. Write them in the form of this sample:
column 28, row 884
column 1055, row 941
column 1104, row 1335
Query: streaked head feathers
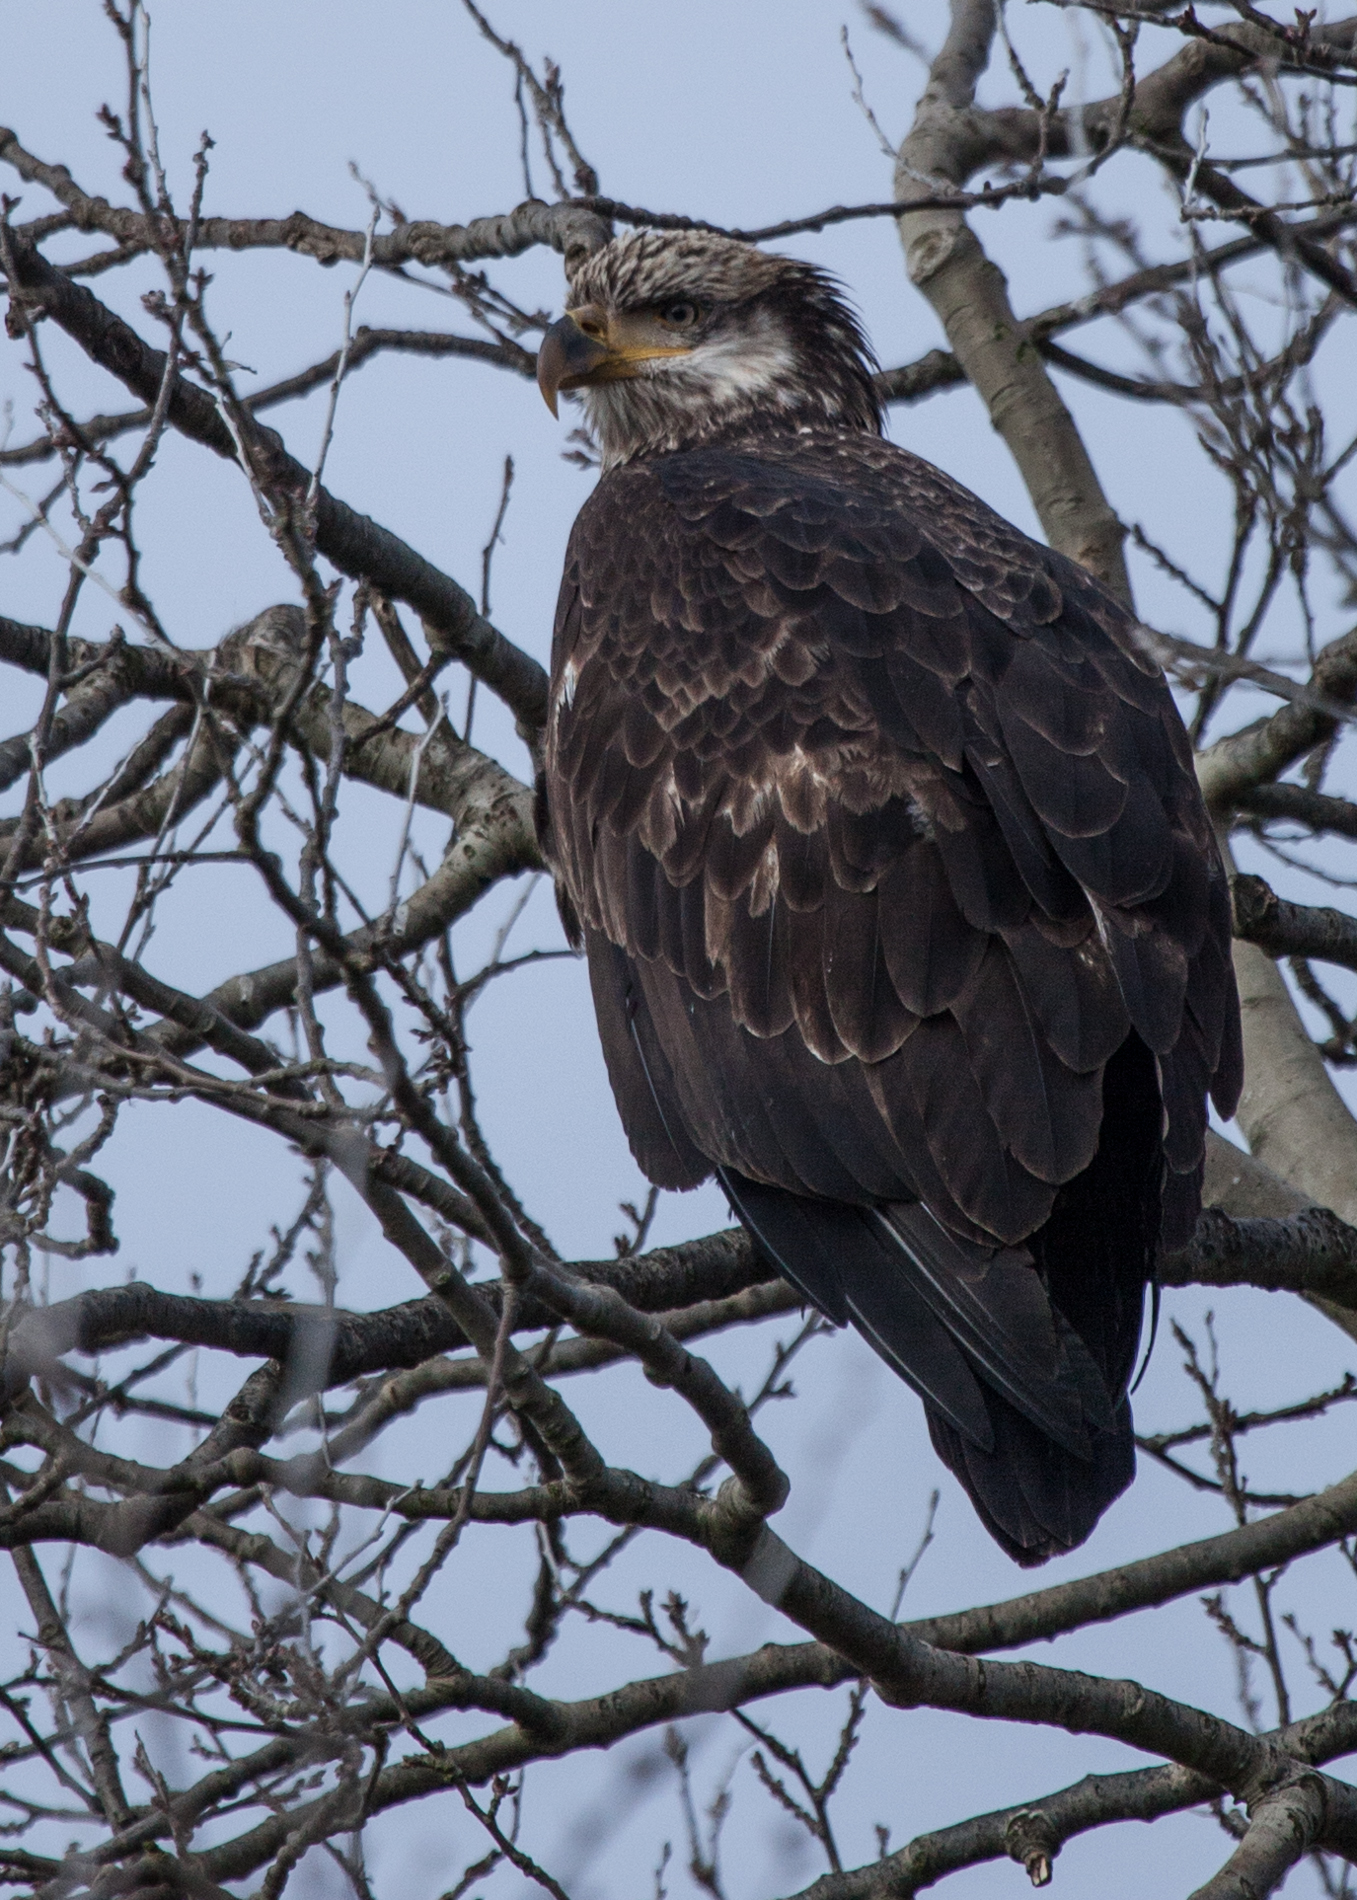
column 678, row 338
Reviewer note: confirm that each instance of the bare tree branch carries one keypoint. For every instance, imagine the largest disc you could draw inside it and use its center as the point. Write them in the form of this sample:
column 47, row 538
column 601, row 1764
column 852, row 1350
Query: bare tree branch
column 968, row 292
column 569, row 228
column 357, row 545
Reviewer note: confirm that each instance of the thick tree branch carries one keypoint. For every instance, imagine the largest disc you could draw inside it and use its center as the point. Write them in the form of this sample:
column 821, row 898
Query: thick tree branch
column 1317, row 811
column 250, row 677
column 1033, row 1833
column 356, row 1343
column 1018, row 1687
column 773, row 1669
column 1284, row 929
column 1284, row 1824
column 1311, row 1525
column 947, row 264
column 602, row 1720
column 149, row 672
column 570, row 228
column 77, row 831
column 1233, row 766
column 1296, row 1123
column 88, row 705
column 1294, row 1118
column 1241, row 1186
column 1311, row 1252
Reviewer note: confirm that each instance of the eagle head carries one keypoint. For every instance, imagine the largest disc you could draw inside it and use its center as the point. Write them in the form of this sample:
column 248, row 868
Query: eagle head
column 678, row 337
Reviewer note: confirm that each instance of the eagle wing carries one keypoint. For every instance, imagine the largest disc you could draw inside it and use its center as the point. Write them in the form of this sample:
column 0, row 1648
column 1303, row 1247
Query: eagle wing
column 881, row 832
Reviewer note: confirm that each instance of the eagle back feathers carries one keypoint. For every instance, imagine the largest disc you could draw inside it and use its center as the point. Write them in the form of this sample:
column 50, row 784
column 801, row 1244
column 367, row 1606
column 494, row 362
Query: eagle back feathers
column 882, row 833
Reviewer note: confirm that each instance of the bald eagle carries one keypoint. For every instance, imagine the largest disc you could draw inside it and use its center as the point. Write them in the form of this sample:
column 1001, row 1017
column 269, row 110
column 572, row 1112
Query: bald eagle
column 880, row 831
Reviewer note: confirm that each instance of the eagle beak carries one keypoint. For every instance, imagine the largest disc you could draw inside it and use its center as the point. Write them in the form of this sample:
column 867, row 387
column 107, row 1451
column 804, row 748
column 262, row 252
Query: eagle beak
column 571, row 353
column 588, row 345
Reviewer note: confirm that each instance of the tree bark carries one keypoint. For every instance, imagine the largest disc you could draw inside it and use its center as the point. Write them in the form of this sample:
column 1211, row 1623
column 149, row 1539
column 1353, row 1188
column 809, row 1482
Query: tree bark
column 946, row 263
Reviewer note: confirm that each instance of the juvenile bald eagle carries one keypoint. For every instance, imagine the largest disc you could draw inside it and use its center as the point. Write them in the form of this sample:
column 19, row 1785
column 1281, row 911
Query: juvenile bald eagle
column 902, row 911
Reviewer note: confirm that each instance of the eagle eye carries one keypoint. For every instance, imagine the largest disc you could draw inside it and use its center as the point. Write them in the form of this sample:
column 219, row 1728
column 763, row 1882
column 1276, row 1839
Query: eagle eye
column 683, row 313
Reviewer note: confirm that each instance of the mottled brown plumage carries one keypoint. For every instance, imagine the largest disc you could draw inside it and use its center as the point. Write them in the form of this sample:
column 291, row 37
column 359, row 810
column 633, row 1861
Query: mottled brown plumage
column 901, row 906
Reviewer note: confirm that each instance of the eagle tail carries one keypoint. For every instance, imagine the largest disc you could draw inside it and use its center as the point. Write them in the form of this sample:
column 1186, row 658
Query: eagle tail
column 1022, row 1356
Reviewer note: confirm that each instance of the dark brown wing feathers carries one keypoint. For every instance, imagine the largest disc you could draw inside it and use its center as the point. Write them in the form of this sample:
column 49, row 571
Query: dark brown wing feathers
column 883, row 835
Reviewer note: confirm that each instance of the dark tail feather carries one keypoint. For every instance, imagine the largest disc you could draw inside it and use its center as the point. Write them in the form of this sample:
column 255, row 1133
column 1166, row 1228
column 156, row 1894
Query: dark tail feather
column 1022, row 1358
column 1033, row 1498
column 846, row 1263
column 1096, row 1252
column 1039, row 1477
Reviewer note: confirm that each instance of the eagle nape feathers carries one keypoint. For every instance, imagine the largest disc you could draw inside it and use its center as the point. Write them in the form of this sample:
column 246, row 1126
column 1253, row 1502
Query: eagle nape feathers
column 880, row 831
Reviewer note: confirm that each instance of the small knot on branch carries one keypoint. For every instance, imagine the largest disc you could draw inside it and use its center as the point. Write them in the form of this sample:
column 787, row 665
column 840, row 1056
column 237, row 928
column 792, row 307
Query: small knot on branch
column 279, row 632
column 1293, row 1800
column 1256, row 907
column 736, row 1514
column 573, row 228
column 1031, row 1839
column 1284, row 929
column 1287, row 1812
